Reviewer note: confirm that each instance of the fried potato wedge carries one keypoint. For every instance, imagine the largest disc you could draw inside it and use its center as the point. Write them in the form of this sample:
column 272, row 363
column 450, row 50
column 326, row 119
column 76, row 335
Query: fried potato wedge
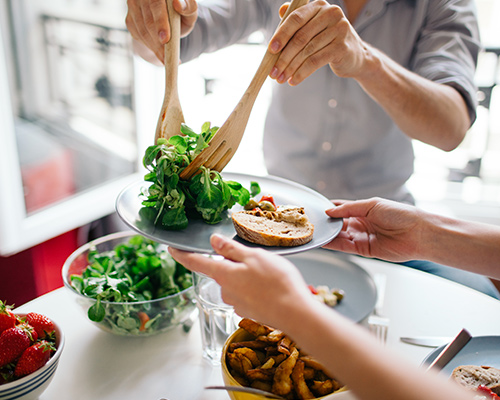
column 299, row 381
column 254, row 327
column 312, row 363
column 284, row 345
column 251, row 344
column 239, row 363
column 261, row 374
column 271, row 361
column 322, row 388
column 267, row 386
column 250, row 355
column 282, row 382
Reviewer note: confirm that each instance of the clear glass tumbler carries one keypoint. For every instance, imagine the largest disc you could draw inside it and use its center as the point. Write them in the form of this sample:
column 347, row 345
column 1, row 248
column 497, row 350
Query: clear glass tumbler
column 217, row 319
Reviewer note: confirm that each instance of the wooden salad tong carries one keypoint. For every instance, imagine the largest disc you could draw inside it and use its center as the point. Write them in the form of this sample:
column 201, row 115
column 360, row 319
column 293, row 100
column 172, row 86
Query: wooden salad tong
column 171, row 116
column 224, row 144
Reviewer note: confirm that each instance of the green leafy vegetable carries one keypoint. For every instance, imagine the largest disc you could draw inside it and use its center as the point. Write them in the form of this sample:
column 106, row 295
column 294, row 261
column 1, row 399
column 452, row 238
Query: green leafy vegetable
column 134, row 272
column 254, row 189
column 169, row 200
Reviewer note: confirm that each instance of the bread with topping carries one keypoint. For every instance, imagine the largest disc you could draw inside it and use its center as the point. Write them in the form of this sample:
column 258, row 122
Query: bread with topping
column 473, row 376
column 285, row 227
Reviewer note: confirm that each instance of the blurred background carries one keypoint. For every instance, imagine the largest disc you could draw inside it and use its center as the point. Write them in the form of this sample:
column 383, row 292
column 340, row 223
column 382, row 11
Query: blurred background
column 78, row 109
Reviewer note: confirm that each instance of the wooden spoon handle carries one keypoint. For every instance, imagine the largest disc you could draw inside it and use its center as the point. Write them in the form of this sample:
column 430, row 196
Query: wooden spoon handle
column 171, row 102
column 172, row 48
column 270, row 59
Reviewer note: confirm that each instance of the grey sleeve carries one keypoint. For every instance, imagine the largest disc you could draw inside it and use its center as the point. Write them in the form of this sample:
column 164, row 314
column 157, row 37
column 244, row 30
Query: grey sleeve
column 222, row 23
column 448, row 47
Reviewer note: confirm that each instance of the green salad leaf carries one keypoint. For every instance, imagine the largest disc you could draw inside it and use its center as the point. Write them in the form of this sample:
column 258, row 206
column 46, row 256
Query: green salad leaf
column 170, row 201
column 133, row 272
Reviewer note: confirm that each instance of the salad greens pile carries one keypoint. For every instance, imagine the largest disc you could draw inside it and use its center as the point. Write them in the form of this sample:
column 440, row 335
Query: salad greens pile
column 134, row 272
column 170, row 201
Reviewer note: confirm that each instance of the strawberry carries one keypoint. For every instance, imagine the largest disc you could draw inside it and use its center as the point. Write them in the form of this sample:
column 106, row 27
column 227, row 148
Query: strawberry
column 42, row 324
column 33, row 358
column 7, row 317
column 13, row 342
column 29, row 330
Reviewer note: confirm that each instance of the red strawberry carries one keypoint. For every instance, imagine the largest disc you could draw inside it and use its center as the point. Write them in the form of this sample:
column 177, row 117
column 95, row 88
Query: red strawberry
column 33, row 358
column 42, row 324
column 13, row 342
column 7, row 317
column 29, row 330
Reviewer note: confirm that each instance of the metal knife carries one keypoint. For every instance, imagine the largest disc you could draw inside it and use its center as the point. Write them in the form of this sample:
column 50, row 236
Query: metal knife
column 427, row 341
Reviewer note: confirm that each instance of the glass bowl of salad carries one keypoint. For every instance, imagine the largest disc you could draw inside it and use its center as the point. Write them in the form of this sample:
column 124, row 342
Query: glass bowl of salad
column 129, row 285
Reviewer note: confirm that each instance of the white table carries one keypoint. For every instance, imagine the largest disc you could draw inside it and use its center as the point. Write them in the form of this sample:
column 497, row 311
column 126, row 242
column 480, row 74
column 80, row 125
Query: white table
column 98, row 365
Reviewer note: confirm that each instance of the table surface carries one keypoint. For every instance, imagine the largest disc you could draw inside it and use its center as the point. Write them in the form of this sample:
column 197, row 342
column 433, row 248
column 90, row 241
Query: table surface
column 99, row 365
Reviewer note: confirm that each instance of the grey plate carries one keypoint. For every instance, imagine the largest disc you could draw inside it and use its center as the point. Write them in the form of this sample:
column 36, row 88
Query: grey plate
column 326, row 267
column 481, row 350
column 196, row 237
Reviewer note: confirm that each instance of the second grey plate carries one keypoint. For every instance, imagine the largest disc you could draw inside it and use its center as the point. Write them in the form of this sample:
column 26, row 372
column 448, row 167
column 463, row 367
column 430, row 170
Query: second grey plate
column 481, row 350
column 326, row 267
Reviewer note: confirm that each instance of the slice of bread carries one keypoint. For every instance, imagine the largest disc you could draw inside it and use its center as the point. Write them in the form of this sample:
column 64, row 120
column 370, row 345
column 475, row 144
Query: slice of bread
column 472, row 376
column 285, row 227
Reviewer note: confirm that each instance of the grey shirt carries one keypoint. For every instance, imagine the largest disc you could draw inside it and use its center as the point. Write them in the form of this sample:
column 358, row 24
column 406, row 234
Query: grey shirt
column 327, row 133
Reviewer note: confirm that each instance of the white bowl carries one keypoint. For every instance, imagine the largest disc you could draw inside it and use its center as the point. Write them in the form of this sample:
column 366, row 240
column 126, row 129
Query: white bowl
column 30, row 387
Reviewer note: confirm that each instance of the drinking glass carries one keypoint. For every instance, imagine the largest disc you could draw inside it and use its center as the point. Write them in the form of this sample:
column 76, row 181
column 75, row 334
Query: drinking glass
column 217, row 319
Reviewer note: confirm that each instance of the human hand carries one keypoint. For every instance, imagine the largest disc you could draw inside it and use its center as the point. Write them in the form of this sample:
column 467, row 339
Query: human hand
column 147, row 21
column 259, row 284
column 312, row 36
column 379, row 228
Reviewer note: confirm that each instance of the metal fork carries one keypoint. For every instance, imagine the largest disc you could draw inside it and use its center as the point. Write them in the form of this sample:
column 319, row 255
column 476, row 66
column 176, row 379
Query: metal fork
column 377, row 323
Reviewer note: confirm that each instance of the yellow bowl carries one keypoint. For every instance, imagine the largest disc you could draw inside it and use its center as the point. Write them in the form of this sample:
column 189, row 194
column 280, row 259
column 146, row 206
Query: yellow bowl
column 241, row 335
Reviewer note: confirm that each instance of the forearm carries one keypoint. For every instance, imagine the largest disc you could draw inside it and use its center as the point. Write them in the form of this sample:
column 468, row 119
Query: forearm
column 357, row 360
column 433, row 113
column 462, row 244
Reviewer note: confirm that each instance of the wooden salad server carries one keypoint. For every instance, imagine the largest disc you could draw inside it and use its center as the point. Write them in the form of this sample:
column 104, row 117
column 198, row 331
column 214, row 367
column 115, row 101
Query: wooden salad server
column 224, row 144
column 171, row 116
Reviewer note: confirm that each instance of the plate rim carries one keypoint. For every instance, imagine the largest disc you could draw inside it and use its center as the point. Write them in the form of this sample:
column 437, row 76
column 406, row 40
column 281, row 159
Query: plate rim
column 435, row 352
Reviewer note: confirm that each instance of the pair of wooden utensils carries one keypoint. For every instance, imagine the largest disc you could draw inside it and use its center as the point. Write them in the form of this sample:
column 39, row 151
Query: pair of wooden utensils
column 227, row 139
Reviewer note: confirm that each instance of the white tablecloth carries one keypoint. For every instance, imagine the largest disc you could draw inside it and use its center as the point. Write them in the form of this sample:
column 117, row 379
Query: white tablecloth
column 99, row 365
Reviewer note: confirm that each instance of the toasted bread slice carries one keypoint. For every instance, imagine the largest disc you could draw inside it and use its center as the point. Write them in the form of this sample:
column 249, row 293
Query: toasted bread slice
column 285, row 227
column 472, row 376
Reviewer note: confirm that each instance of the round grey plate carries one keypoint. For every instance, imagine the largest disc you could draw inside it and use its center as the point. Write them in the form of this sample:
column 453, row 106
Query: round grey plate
column 326, row 267
column 196, row 237
column 481, row 350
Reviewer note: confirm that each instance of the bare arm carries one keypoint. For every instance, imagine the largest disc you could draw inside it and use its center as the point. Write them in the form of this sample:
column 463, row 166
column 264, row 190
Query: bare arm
column 431, row 112
column 269, row 289
column 398, row 232
column 319, row 34
column 370, row 370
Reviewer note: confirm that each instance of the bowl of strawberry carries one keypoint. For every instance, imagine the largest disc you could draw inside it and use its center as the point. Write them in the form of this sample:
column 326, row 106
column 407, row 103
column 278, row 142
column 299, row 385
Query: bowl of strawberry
column 30, row 348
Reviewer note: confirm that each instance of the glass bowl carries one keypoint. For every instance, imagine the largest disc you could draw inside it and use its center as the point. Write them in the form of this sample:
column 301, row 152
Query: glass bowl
column 130, row 318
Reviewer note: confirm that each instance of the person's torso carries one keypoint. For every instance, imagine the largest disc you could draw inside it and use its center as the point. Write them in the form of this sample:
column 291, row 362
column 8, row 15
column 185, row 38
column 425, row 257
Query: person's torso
column 329, row 134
